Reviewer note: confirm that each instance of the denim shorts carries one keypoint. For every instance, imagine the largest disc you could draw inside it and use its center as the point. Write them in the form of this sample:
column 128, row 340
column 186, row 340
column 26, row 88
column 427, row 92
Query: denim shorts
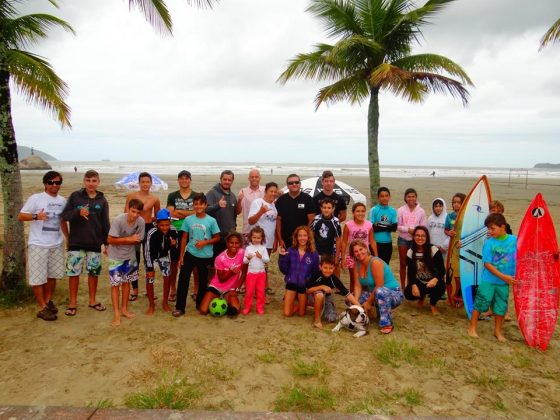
column 403, row 242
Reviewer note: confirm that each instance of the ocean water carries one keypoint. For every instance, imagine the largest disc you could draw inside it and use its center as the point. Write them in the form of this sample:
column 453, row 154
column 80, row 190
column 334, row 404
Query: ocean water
column 303, row 169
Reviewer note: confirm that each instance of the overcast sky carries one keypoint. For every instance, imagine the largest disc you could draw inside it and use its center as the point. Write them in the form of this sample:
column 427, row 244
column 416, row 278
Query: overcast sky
column 209, row 93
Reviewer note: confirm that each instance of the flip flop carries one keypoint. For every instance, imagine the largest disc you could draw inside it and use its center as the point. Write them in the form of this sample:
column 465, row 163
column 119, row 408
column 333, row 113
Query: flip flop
column 172, row 297
column 70, row 311
column 98, row 307
column 386, row 330
column 132, row 297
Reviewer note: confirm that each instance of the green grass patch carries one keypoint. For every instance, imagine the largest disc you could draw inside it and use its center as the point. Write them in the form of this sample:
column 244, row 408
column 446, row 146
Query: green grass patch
column 413, row 397
column 486, row 380
column 311, row 399
column 393, row 352
column 221, row 372
column 309, row 370
column 20, row 294
column 499, row 405
column 171, row 392
column 268, row 357
column 104, row 403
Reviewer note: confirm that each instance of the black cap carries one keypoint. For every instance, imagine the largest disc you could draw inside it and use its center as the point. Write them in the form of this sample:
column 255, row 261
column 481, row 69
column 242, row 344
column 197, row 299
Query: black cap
column 184, row 173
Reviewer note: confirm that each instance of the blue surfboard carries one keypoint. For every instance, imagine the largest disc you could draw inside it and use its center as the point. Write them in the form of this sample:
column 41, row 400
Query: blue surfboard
column 473, row 235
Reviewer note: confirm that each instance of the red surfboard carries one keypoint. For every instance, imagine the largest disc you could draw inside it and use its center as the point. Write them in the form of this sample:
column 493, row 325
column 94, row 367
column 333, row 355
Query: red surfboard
column 536, row 291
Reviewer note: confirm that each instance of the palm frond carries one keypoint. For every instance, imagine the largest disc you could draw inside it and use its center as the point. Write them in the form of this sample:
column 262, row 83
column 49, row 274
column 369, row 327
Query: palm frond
column 432, row 63
column 414, row 86
column 317, row 65
column 339, row 17
column 156, row 13
column 36, row 80
column 353, row 89
column 25, row 30
column 357, row 45
column 203, row 3
column 552, row 35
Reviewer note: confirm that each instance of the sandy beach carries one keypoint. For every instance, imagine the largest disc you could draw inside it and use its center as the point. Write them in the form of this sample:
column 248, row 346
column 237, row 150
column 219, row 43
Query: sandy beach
column 428, row 366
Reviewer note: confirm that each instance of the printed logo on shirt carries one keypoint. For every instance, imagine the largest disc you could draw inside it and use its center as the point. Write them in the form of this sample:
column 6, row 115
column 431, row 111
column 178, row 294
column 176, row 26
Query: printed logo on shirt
column 307, row 260
column 324, row 231
column 301, row 205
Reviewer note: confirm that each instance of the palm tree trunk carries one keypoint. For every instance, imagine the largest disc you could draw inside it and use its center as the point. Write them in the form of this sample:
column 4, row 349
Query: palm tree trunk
column 373, row 138
column 13, row 262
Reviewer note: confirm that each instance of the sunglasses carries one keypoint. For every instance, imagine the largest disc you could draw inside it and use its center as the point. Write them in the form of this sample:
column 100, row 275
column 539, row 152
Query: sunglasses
column 293, row 183
column 54, row 182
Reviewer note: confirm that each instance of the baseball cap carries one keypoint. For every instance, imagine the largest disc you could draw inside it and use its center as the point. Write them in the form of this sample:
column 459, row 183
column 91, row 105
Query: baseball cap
column 163, row 214
column 184, row 173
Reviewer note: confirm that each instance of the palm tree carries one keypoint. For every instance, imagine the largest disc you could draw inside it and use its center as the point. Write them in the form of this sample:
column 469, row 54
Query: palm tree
column 36, row 80
column 157, row 13
column 33, row 77
column 372, row 52
column 552, row 35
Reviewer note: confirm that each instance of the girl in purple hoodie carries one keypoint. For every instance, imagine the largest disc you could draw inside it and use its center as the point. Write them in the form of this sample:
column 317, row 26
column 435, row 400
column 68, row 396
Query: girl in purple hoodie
column 409, row 216
column 298, row 263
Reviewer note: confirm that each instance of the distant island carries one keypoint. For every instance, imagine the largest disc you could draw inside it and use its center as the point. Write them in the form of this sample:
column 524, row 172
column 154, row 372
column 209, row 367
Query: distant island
column 24, row 152
column 547, row 166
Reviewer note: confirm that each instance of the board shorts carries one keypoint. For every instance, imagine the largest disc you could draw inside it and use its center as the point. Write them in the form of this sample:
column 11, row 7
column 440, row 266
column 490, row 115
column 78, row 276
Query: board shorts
column 44, row 263
column 296, row 288
column 75, row 262
column 328, row 312
column 122, row 271
column 490, row 294
column 164, row 265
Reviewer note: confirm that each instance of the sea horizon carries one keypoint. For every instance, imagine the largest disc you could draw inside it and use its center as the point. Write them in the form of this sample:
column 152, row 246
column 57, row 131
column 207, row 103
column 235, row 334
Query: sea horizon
column 303, row 169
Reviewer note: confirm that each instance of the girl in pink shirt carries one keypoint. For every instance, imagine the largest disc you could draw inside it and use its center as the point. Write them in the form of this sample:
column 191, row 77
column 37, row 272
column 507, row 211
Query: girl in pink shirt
column 228, row 276
column 409, row 216
column 359, row 228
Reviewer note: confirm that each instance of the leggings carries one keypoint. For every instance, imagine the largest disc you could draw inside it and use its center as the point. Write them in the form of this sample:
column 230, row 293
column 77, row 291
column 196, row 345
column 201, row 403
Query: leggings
column 385, row 300
column 435, row 292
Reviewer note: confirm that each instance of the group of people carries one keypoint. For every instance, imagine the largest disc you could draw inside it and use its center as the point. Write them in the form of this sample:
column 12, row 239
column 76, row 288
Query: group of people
column 195, row 235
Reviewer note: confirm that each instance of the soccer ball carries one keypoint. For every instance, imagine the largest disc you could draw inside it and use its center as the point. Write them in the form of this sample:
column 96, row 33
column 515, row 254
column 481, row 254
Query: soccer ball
column 218, row 307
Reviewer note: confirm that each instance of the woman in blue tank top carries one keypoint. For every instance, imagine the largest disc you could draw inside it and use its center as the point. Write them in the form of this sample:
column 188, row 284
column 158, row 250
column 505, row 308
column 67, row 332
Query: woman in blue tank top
column 375, row 284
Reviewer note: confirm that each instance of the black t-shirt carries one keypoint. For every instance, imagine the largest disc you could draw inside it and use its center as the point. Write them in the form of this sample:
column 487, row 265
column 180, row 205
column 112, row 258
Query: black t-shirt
column 326, row 231
column 293, row 212
column 176, row 200
column 317, row 279
column 339, row 203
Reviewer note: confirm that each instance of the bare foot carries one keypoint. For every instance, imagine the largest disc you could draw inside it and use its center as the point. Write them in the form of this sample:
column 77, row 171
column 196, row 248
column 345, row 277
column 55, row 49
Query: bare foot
column 116, row 322
column 128, row 315
column 318, row 325
column 420, row 302
column 507, row 317
column 500, row 337
column 150, row 310
column 166, row 308
column 434, row 310
column 472, row 333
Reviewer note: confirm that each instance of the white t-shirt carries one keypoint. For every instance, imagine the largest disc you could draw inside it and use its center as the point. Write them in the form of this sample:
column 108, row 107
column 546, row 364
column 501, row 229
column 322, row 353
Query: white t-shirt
column 45, row 233
column 267, row 221
column 256, row 265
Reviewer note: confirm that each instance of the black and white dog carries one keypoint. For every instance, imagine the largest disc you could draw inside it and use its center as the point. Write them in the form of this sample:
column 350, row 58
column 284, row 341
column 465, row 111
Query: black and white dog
column 355, row 319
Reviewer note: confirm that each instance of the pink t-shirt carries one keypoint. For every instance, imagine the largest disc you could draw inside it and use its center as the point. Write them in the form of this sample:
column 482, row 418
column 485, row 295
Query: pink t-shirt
column 224, row 262
column 356, row 231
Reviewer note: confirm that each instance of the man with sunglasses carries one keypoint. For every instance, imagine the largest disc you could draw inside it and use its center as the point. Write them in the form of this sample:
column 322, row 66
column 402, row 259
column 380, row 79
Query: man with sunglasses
column 295, row 208
column 45, row 258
